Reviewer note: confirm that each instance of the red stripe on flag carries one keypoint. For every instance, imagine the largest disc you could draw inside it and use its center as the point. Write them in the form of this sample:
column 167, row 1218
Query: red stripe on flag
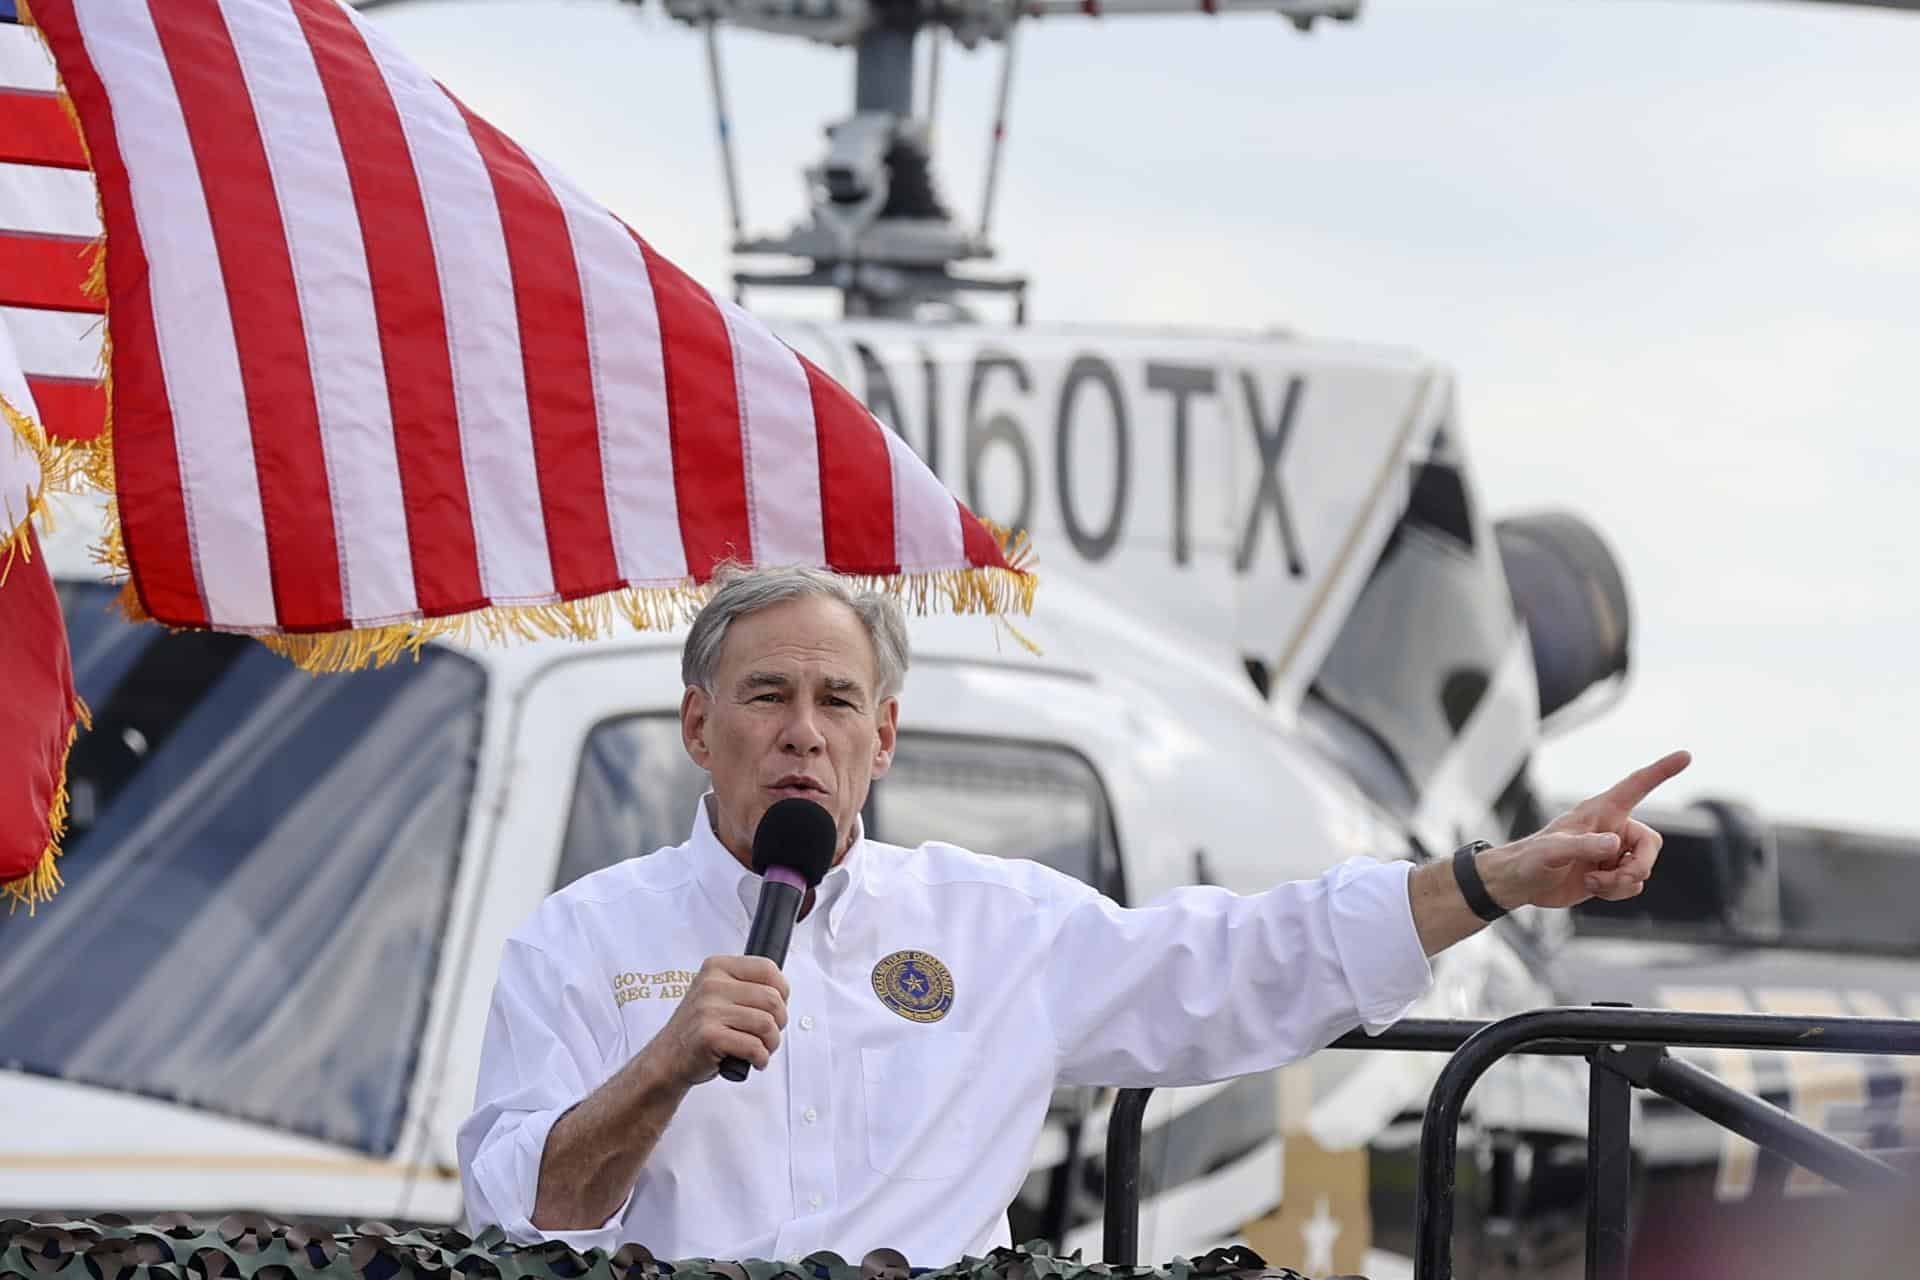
column 980, row 547
column 856, row 480
column 269, row 334
column 72, row 410
column 559, row 366
column 34, row 130
column 153, row 514
column 408, row 309
column 45, row 271
column 703, row 420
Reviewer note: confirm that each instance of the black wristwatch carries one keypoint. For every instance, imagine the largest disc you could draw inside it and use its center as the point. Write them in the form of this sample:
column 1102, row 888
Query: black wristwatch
column 1467, row 875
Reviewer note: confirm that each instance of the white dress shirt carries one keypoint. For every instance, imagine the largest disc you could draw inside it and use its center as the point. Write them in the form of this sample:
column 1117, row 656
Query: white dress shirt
column 906, row 1121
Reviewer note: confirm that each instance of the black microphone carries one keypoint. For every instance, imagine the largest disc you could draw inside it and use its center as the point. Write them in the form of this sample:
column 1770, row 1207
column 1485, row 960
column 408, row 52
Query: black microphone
column 792, row 850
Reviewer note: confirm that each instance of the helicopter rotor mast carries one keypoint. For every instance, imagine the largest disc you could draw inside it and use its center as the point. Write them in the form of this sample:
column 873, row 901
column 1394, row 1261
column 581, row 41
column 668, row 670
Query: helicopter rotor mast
column 877, row 230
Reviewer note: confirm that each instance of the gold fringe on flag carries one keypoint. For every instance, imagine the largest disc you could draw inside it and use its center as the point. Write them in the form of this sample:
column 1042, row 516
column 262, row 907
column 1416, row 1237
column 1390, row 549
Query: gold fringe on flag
column 61, row 471
column 40, row 884
column 993, row 591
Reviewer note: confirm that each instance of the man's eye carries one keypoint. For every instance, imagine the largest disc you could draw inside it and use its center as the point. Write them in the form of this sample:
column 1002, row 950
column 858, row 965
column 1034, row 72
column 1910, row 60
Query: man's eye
column 767, row 697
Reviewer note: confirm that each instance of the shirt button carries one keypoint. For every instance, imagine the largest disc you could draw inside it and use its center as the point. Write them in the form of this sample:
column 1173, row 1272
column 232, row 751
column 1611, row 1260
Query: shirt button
column 806, row 1023
column 814, row 1202
column 809, row 1115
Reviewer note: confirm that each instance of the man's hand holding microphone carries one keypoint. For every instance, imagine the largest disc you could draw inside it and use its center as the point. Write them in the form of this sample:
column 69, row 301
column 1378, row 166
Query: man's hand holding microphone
column 736, row 1007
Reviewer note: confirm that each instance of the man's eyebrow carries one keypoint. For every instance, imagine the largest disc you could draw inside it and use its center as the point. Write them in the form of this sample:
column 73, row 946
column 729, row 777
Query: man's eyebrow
column 764, row 680
column 841, row 684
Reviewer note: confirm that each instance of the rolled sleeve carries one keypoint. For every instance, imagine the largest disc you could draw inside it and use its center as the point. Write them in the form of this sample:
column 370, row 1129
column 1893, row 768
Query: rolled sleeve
column 502, row 1174
column 548, row 1044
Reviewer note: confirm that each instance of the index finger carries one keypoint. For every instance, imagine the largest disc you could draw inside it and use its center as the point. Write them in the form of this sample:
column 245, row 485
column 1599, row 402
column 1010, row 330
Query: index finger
column 1638, row 785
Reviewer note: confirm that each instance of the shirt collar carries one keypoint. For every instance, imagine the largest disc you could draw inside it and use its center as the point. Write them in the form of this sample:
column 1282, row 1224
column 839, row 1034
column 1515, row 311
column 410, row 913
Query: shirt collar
column 736, row 891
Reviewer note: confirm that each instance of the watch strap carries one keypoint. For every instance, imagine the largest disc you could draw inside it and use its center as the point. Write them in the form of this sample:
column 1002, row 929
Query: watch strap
column 1466, row 873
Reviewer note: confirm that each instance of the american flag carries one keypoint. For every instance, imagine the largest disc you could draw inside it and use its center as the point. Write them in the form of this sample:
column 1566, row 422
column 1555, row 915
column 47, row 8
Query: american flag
column 47, row 220
column 374, row 364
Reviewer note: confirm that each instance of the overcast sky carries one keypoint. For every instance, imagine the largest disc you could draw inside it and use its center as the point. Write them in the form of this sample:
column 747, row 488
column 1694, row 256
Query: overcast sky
column 1671, row 250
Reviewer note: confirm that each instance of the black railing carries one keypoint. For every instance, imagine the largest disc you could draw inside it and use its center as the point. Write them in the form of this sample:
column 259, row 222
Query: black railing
column 1626, row 1048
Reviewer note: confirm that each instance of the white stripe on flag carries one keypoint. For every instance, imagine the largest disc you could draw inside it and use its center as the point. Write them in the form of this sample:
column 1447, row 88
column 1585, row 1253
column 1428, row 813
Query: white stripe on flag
column 44, row 201
column 24, row 61
column 629, row 389
column 13, row 378
column 781, row 446
column 926, row 520
column 193, row 325
column 19, row 470
column 55, row 344
column 483, row 332
column 343, row 337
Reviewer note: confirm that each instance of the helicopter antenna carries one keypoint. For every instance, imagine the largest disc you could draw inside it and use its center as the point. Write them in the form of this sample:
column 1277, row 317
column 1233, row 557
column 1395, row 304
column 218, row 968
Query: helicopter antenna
column 933, row 83
column 724, row 127
column 999, row 141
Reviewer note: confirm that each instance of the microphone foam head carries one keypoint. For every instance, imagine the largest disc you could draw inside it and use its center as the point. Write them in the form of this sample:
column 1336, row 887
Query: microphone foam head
column 798, row 835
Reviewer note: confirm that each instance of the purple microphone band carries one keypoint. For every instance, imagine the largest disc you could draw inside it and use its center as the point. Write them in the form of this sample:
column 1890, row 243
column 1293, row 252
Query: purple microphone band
column 786, row 875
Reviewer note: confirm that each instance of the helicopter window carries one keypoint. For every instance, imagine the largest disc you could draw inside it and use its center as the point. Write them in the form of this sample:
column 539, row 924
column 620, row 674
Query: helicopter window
column 252, row 851
column 635, row 793
column 1438, row 501
column 1016, row 800
column 637, row 790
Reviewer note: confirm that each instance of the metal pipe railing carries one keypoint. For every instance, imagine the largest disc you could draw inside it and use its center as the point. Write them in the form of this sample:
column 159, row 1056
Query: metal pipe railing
column 1600, row 1034
column 1440, row 1129
column 1121, row 1227
column 1609, row 1173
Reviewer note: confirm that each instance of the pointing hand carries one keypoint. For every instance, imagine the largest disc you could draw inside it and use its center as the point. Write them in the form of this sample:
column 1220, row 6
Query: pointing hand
column 1597, row 849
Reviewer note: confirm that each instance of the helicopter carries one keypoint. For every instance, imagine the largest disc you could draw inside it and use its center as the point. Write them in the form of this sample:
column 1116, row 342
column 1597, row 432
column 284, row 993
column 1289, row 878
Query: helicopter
column 1280, row 604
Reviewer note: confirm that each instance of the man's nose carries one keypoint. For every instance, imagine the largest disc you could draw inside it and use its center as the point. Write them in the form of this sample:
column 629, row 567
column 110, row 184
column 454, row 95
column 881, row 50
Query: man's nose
column 802, row 731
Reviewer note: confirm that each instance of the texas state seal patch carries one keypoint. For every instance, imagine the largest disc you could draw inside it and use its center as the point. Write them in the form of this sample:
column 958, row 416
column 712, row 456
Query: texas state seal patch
column 914, row 985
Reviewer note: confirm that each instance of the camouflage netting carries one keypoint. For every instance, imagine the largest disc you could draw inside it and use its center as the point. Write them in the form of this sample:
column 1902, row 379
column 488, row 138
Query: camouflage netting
column 250, row 1247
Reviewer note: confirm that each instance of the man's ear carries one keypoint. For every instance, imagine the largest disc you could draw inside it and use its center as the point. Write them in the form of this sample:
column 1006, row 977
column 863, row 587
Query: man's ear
column 694, row 706
column 889, row 725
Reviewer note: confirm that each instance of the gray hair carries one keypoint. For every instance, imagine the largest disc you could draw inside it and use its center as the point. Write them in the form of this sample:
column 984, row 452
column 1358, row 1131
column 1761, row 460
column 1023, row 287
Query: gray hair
column 740, row 591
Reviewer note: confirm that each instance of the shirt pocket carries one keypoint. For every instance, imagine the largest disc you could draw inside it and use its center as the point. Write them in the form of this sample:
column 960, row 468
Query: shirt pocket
column 921, row 1095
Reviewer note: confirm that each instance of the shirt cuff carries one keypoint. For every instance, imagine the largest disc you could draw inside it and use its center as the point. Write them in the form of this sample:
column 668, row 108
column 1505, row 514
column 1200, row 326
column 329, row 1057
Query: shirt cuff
column 508, row 1175
column 1380, row 953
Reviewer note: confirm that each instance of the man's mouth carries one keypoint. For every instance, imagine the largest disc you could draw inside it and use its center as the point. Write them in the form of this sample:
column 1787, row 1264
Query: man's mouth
column 797, row 785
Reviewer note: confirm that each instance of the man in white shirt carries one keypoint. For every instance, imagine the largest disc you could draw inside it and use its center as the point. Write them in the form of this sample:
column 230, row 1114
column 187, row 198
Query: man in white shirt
column 932, row 998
